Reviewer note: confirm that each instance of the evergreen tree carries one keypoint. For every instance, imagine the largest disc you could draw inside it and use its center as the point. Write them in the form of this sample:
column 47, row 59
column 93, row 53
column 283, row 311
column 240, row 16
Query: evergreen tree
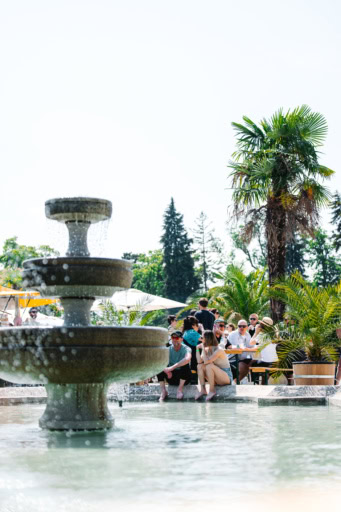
column 323, row 258
column 180, row 277
column 295, row 258
column 209, row 250
column 336, row 220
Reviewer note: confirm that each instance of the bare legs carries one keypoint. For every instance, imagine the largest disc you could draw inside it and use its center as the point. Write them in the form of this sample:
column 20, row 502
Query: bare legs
column 201, row 379
column 164, row 393
column 243, row 370
column 214, row 375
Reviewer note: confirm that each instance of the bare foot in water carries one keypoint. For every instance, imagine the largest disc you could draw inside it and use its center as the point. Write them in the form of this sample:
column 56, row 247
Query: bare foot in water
column 200, row 394
column 210, row 396
column 163, row 396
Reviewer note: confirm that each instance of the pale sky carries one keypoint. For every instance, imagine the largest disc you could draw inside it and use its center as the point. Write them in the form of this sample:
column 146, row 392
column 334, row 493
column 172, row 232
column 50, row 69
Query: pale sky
column 133, row 101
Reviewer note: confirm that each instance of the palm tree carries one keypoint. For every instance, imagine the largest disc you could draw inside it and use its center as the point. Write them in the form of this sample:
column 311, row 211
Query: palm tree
column 276, row 170
column 241, row 295
column 316, row 315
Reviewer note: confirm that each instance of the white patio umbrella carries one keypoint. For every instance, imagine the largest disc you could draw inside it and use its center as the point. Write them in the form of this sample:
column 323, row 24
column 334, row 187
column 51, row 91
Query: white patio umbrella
column 131, row 300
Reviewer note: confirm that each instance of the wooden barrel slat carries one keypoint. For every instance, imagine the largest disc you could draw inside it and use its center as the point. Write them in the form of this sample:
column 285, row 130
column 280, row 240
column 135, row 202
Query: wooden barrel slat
column 319, row 370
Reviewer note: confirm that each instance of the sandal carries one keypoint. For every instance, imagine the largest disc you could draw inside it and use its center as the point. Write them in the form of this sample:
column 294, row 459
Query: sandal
column 210, row 396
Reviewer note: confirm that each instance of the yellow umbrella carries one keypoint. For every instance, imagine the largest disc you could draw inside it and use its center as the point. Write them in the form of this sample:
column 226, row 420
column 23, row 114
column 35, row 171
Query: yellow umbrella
column 26, row 298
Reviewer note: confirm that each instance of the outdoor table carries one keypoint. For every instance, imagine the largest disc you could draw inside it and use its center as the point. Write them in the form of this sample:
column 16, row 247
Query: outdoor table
column 237, row 352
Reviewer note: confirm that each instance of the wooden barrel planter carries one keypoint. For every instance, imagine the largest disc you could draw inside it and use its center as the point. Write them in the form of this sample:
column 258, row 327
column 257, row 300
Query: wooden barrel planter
column 314, row 374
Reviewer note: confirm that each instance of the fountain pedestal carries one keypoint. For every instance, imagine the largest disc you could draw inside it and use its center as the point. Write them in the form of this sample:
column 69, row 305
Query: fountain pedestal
column 76, row 407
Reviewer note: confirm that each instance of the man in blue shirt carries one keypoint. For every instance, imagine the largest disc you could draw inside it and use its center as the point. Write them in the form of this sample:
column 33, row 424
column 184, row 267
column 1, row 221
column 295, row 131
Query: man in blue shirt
column 178, row 372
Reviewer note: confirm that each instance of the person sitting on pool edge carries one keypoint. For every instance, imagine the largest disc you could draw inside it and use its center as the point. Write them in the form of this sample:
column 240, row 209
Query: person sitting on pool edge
column 178, row 372
column 213, row 366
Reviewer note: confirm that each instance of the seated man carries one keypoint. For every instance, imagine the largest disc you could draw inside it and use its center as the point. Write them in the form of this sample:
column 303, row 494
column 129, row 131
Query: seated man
column 240, row 338
column 178, row 372
column 32, row 319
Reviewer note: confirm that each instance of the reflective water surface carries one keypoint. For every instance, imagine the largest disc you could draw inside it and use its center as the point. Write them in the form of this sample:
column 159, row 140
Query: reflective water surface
column 171, row 456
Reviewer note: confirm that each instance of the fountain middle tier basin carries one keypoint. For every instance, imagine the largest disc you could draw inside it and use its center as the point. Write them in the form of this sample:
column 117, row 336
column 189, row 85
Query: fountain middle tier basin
column 77, row 276
column 61, row 355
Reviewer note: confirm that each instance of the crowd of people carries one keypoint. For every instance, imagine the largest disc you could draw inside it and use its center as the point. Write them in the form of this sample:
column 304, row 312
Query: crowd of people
column 197, row 351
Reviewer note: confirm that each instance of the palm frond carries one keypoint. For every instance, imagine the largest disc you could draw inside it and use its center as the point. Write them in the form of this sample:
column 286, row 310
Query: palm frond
column 316, row 313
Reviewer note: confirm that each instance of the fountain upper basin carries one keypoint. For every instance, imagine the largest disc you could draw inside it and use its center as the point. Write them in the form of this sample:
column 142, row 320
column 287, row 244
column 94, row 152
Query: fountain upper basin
column 78, row 209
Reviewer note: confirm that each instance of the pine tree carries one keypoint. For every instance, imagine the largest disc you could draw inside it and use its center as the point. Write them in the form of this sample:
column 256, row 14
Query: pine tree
column 295, row 255
column 180, row 278
column 209, row 250
column 336, row 220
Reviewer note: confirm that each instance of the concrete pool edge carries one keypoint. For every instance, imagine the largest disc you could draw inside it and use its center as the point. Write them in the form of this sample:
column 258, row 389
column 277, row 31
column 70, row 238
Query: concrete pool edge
column 261, row 395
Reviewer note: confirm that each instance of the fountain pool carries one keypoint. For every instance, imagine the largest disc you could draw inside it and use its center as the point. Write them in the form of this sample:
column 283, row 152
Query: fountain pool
column 176, row 456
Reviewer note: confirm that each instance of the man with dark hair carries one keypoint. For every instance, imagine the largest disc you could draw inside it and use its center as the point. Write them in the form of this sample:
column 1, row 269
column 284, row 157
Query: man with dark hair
column 171, row 324
column 32, row 320
column 178, row 372
column 204, row 316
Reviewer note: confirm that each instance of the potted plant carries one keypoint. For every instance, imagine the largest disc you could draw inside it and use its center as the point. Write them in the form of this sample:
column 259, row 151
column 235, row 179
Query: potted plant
column 307, row 340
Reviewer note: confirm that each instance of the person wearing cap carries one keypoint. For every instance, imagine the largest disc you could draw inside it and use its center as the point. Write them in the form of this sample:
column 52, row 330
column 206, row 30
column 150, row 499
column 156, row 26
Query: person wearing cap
column 32, row 319
column 268, row 355
column 240, row 338
column 178, row 372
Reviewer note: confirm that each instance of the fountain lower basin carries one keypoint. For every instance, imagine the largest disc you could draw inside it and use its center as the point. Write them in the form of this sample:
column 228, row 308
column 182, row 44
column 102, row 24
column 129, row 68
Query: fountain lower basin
column 77, row 364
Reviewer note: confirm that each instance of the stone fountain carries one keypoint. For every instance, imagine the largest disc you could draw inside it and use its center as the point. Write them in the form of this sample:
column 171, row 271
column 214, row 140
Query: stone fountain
column 78, row 361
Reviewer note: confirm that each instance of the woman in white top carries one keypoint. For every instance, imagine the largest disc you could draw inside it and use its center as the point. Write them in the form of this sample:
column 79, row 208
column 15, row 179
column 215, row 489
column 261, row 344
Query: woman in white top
column 213, row 366
column 268, row 355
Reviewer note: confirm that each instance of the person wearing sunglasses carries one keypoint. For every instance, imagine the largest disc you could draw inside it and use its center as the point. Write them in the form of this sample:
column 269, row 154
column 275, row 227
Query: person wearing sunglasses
column 219, row 332
column 253, row 319
column 32, row 319
column 178, row 372
column 241, row 338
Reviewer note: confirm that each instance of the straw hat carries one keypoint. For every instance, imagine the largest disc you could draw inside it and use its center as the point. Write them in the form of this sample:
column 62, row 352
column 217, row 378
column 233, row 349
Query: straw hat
column 267, row 321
